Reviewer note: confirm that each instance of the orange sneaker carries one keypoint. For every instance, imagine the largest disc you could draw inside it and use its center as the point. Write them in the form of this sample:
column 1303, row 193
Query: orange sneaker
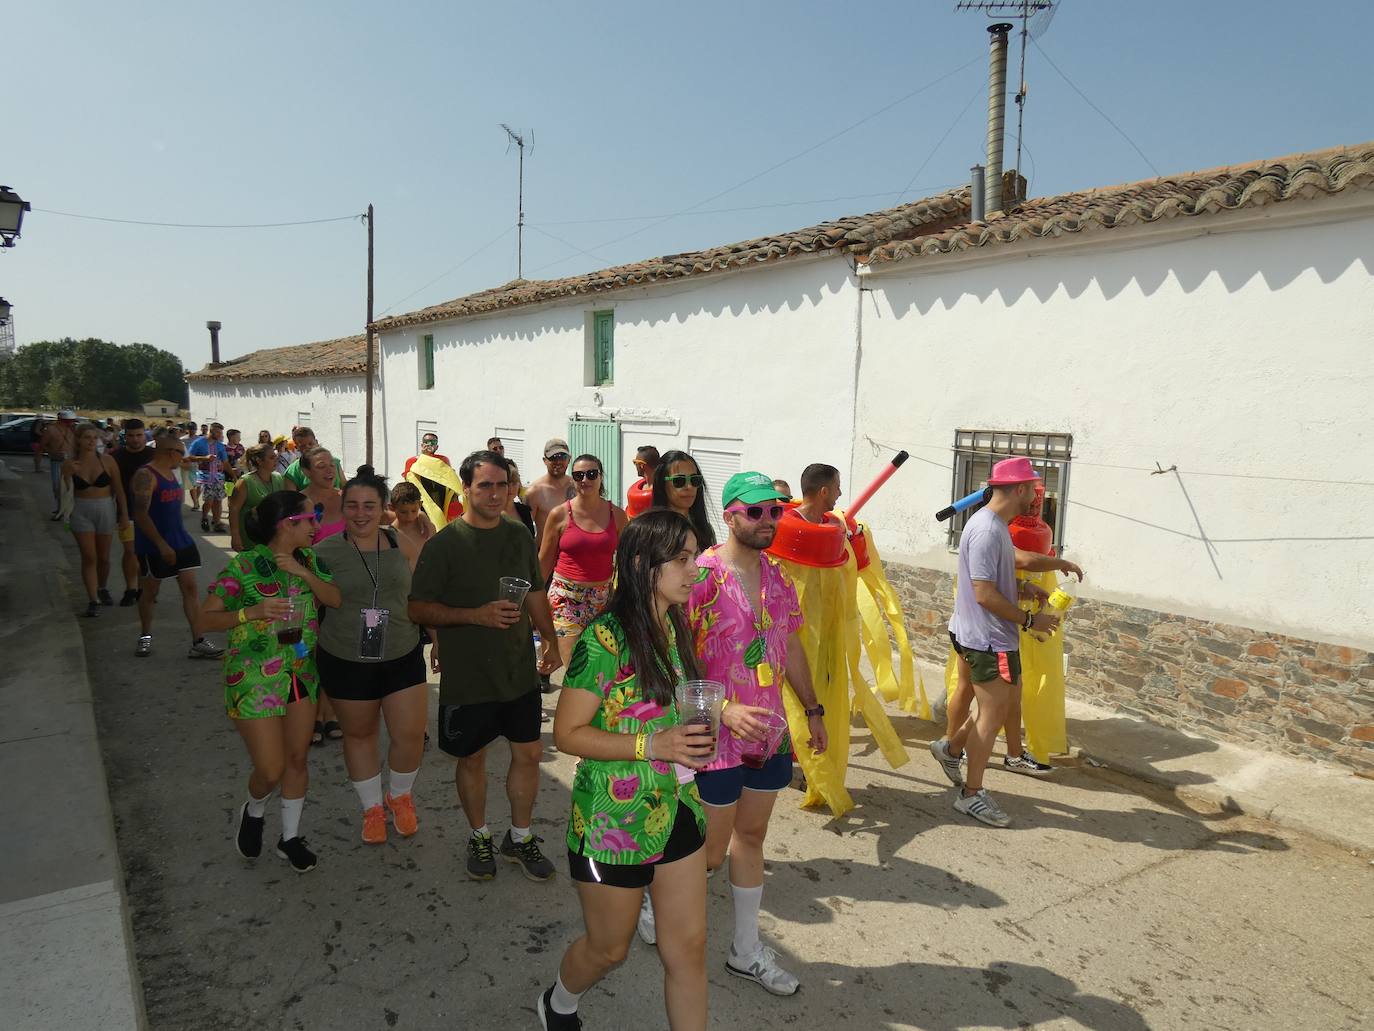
column 403, row 814
column 374, row 826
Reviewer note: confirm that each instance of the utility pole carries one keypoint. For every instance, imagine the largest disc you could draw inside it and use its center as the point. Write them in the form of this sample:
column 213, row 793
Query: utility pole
column 519, row 140
column 371, row 352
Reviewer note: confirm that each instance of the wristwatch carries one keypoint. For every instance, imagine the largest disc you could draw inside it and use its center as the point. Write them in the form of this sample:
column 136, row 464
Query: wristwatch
column 819, row 710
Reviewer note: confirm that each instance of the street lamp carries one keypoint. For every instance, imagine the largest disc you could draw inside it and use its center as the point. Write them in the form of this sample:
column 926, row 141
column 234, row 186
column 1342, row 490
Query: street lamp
column 5, row 308
column 12, row 208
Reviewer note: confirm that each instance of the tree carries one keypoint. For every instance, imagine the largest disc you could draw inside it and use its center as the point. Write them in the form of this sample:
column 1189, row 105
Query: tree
column 92, row 373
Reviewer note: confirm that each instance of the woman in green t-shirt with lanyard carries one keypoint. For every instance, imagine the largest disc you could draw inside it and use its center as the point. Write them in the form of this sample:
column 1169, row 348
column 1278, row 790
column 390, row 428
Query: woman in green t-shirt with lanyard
column 636, row 820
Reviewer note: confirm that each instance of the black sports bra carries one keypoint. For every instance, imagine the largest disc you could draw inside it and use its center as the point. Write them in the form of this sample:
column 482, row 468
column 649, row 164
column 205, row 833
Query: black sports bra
column 103, row 480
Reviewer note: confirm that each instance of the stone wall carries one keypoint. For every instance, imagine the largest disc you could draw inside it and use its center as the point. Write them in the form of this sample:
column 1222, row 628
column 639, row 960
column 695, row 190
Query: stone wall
column 1229, row 682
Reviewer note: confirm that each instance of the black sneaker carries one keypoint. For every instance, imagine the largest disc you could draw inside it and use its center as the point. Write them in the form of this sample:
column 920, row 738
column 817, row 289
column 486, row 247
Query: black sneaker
column 205, row 524
column 302, row 860
column 1026, row 763
column 248, row 835
column 551, row 1021
column 106, row 598
column 130, row 598
column 534, row 863
column 93, row 609
column 481, row 859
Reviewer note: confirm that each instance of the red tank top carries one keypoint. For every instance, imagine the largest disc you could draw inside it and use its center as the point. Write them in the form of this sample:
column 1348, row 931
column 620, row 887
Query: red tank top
column 585, row 557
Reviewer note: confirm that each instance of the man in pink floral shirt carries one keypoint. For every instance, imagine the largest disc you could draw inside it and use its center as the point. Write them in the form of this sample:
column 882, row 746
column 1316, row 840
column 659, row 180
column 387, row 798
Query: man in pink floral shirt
column 744, row 615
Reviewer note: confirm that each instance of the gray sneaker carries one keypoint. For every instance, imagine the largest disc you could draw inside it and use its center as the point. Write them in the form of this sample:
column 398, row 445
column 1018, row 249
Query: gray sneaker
column 145, row 646
column 533, row 863
column 648, row 933
column 481, row 858
column 761, row 965
column 203, row 649
column 948, row 763
column 982, row 808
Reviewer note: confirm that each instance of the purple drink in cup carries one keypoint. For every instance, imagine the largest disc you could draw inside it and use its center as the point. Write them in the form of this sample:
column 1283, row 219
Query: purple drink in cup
column 755, row 754
column 698, row 704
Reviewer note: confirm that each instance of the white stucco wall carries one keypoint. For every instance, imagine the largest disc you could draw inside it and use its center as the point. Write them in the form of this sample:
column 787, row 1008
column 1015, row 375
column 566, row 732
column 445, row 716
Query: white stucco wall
column 277, row 405
column 761, row 357
column 1243, row 348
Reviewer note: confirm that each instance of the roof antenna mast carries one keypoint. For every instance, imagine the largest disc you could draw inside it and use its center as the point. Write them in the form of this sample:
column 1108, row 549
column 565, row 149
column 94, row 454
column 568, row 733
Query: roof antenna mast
column 518, row 138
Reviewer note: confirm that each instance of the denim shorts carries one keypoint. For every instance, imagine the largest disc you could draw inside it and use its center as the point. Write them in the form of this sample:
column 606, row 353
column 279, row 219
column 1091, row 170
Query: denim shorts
column 723, row 787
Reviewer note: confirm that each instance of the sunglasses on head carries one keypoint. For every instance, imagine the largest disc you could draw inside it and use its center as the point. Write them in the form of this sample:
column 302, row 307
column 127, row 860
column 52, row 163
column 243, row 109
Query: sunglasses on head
column 756, row 512
column 679, row 481
column 586, row 474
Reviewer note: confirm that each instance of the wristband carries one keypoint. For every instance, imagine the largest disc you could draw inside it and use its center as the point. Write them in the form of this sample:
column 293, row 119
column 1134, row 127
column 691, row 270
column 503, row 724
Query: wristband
column 1026, row 625
column 649, row 746
column 723, row 704
column 639, row 746
column 243, row 615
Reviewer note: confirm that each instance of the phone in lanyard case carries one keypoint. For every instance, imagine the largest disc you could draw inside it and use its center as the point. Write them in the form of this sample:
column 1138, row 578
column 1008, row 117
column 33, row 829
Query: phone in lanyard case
column 372, row 634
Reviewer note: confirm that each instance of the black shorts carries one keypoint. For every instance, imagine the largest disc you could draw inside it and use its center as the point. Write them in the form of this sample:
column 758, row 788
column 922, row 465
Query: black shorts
column 986, row 666
column 353, row 681
column 465, row 730
column 154, row 568
column 682, row 842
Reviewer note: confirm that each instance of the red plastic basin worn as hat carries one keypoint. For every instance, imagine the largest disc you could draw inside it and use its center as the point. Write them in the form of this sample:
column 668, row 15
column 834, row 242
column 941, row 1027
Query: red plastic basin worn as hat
column 1011, row 471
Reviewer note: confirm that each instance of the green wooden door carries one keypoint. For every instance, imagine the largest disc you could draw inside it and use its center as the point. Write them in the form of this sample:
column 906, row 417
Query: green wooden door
column 600, row 437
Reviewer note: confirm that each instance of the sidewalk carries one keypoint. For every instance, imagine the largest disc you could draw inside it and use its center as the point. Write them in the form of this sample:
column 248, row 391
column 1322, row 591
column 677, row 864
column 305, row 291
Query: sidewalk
column 66, row 956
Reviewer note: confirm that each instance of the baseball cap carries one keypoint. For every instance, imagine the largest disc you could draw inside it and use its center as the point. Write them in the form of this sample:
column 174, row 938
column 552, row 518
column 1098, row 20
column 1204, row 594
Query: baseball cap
column 556, row 445
column 1011, row 471
column 750, row 488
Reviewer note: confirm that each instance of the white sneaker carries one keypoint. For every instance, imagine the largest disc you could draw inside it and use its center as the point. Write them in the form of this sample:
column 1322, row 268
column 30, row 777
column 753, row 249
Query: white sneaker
column 948, row 763
column 203, row 649
column 647, row 932
column 982, row 808
column 761, row 965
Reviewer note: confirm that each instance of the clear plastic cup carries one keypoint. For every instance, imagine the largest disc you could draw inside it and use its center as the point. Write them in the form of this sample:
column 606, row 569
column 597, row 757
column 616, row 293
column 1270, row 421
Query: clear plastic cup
column 290, row 627
column 513, row 590
column 698, row 702
column 755, row 753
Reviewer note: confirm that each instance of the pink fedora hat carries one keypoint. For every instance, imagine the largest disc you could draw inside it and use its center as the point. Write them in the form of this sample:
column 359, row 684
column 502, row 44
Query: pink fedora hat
column 1011, row 471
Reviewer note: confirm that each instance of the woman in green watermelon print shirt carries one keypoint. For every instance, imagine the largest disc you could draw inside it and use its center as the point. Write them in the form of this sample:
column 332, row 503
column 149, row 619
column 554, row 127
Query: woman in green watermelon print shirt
column 270, row 685
column 636, row 821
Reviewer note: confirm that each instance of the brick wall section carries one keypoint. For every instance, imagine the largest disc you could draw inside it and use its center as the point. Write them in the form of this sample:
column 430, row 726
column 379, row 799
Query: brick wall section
column 1280, row 693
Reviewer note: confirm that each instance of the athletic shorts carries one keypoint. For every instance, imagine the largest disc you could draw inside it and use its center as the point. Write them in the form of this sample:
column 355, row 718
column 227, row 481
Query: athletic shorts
column 465, row 730
column 353, row 681
column 93, row 515
column 723, row 787
column 989, row 665
column 682, row 842
column 575, row 604
column 154, row 568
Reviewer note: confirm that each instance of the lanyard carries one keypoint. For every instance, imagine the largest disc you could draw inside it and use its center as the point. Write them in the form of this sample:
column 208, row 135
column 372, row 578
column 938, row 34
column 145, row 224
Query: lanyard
column 376, row 585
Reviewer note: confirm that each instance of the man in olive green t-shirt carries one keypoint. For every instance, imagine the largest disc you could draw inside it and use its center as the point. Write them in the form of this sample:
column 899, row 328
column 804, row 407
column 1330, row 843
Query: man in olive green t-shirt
column 490, row 684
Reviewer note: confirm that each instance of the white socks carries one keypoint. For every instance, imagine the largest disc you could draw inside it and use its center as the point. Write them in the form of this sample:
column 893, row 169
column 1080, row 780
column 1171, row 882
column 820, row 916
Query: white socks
column 369, row 791
column 401, row 783
column 481, row 832
column 291, row 817
column 746, row 918
column 562, row 1000
column 519, row 834
column 257, row 807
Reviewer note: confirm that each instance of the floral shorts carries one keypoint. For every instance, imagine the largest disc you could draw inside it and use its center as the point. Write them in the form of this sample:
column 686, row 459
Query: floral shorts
column 212, row 488
column 576, row 604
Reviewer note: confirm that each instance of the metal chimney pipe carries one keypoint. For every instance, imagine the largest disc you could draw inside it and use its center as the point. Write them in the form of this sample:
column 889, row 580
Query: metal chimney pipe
column 997, row 114
column 975, row 193
column 213, row 327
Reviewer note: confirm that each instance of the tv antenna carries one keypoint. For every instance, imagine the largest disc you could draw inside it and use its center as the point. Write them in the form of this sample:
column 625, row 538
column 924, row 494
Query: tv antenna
column 1035, row 16
column 518, row 139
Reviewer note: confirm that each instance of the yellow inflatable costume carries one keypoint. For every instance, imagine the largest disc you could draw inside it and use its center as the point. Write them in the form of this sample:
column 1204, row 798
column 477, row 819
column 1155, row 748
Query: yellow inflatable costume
column 439, row 487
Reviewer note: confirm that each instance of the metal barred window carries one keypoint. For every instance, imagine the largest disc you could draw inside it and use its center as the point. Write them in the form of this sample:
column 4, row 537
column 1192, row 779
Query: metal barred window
column 976, row 451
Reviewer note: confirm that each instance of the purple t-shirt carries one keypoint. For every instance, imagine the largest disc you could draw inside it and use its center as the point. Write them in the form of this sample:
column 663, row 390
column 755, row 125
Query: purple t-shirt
column 985, row 553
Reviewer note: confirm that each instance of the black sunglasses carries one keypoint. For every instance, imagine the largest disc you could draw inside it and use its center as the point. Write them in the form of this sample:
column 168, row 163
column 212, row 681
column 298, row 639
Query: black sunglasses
column 586, row 474
column 679, row 481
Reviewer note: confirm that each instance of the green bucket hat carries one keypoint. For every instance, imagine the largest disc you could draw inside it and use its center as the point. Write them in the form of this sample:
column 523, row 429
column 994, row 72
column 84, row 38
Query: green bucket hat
column 750, row 488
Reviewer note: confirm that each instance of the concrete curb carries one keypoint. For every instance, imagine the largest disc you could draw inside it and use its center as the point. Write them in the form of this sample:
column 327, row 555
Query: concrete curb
column 66, row 944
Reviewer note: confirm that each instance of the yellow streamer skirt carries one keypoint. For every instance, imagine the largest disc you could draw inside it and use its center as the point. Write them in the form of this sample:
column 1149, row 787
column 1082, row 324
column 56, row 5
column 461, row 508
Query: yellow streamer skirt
column 834, row 632
column 1042, row 684
column 445, row 476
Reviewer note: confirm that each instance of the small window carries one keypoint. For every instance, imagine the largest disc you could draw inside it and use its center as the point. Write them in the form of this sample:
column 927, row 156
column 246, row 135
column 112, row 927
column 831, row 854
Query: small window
column 603, row 348
column 426, row 356
column 302, row 418
column 976, row 451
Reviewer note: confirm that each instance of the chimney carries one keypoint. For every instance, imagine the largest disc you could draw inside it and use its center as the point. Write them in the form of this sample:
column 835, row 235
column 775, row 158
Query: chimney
column 997, row 114
column 975, row 193
column 213, row 327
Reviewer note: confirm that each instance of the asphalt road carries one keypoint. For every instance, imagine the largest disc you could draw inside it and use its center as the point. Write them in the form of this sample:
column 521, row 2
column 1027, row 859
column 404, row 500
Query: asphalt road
column 1107, row 906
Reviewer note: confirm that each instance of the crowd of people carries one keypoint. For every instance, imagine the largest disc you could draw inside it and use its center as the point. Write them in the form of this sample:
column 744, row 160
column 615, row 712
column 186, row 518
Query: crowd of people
column 337, row 585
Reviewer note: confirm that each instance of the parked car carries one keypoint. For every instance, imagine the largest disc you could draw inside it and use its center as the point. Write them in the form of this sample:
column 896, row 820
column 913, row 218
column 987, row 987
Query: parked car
column 15, row 435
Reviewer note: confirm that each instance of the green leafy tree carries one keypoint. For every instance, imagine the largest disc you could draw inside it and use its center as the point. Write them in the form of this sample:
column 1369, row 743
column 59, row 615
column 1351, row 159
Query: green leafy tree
column 150, row 390
column 92, row 373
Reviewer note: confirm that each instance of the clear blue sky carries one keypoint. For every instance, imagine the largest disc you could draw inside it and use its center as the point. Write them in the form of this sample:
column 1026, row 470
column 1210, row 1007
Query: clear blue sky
column 269, row 112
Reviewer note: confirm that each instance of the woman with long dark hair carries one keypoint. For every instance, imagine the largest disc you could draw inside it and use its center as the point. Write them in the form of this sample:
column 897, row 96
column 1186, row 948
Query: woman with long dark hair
column 370, row 658
column 679, row 485
column 636, row 820
column 578, row 548
column 268, row 599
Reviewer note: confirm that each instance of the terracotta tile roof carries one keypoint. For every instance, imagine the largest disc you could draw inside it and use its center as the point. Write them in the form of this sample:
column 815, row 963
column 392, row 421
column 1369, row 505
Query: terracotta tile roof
column 345, row 356
column 1154, row 201
column 854, row 234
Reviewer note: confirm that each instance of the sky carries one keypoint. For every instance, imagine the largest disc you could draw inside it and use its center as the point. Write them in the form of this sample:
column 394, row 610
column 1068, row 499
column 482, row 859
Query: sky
column 655, row 129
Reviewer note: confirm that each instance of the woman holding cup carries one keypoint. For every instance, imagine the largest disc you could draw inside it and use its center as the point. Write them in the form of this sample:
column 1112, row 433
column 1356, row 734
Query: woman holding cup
column 637, row 821
column 267, row 598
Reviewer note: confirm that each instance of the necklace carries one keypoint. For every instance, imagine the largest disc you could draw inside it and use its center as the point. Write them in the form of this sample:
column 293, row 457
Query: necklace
column 756, row 655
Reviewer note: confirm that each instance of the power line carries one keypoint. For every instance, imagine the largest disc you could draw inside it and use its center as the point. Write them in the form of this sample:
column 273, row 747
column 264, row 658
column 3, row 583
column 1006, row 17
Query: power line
column 197, row 225
column 443, row 275
column 936, row 149
column 568, row 243
column 1087, row 100
column 749, row 207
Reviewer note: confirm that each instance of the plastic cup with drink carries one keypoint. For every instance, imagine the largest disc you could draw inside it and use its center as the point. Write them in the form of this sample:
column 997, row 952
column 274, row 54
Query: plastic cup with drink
column 755, row 754
column 513, row 590
column 290, row 627
column 698, row 702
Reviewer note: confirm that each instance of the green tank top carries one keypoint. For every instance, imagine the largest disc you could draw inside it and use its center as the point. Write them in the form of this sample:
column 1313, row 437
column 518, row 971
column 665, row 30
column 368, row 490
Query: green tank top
column 254, row 491
column 341, row 627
